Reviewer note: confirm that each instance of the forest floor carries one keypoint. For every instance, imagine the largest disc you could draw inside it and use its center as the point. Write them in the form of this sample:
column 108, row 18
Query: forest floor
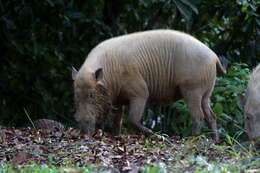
column 70, row 151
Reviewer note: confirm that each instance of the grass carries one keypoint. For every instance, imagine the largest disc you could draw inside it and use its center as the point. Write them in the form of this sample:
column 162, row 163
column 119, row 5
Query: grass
column 200, row 163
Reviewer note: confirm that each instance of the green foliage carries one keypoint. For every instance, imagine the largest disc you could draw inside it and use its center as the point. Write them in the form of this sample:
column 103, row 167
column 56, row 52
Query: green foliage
column 175, row 119
column 172, row 119
column 204, row 167
column 159, row 168
column 231, row 28
column 42, row 41
column 37, row 168
column 28, row 169
column 225, row 98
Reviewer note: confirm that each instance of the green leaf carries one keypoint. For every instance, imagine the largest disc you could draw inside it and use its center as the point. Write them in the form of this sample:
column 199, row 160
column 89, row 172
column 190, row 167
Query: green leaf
column 218, row 108
column 191, row 5
column 229, row 139
column 50, row 3
column 184, row 9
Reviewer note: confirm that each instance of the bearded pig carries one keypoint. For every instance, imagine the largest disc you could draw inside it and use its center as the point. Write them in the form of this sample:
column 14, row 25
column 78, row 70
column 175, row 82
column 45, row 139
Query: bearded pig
column 157, row 66
column 251, row 105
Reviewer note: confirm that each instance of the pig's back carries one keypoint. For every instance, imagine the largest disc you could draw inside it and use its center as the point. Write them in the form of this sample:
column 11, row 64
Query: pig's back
column 164, row 58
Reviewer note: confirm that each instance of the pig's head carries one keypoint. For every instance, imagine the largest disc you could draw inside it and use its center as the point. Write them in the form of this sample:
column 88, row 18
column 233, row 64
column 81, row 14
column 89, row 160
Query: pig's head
column 91, row 99
column 251, row 104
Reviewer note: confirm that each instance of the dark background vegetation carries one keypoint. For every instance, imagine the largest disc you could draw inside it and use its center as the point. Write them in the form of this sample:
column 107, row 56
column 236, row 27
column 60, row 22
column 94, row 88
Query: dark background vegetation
column 41, row 40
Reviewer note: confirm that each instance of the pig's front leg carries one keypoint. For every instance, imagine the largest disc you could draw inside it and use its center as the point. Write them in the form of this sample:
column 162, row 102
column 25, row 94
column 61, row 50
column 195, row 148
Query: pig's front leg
column 136, row 109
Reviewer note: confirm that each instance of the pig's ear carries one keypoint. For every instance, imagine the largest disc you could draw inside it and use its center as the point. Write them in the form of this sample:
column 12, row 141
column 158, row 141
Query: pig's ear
column 73, row 73
column 241, row 101
column 98, row 74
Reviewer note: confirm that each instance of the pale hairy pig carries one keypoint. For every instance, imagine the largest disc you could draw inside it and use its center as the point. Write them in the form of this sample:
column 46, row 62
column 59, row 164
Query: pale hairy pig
column 158, row 66
column 252, row 105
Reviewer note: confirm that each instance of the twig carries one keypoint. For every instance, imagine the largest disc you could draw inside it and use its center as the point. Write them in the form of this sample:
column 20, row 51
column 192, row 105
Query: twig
column 26, row 113
column 164, row 138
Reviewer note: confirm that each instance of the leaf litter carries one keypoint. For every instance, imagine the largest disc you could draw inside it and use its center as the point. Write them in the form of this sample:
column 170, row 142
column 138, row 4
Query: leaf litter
column 124, row 153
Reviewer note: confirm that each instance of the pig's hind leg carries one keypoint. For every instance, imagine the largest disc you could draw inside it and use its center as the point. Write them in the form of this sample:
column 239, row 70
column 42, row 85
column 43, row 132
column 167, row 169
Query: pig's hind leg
column 193, row 97
column 209, row 115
